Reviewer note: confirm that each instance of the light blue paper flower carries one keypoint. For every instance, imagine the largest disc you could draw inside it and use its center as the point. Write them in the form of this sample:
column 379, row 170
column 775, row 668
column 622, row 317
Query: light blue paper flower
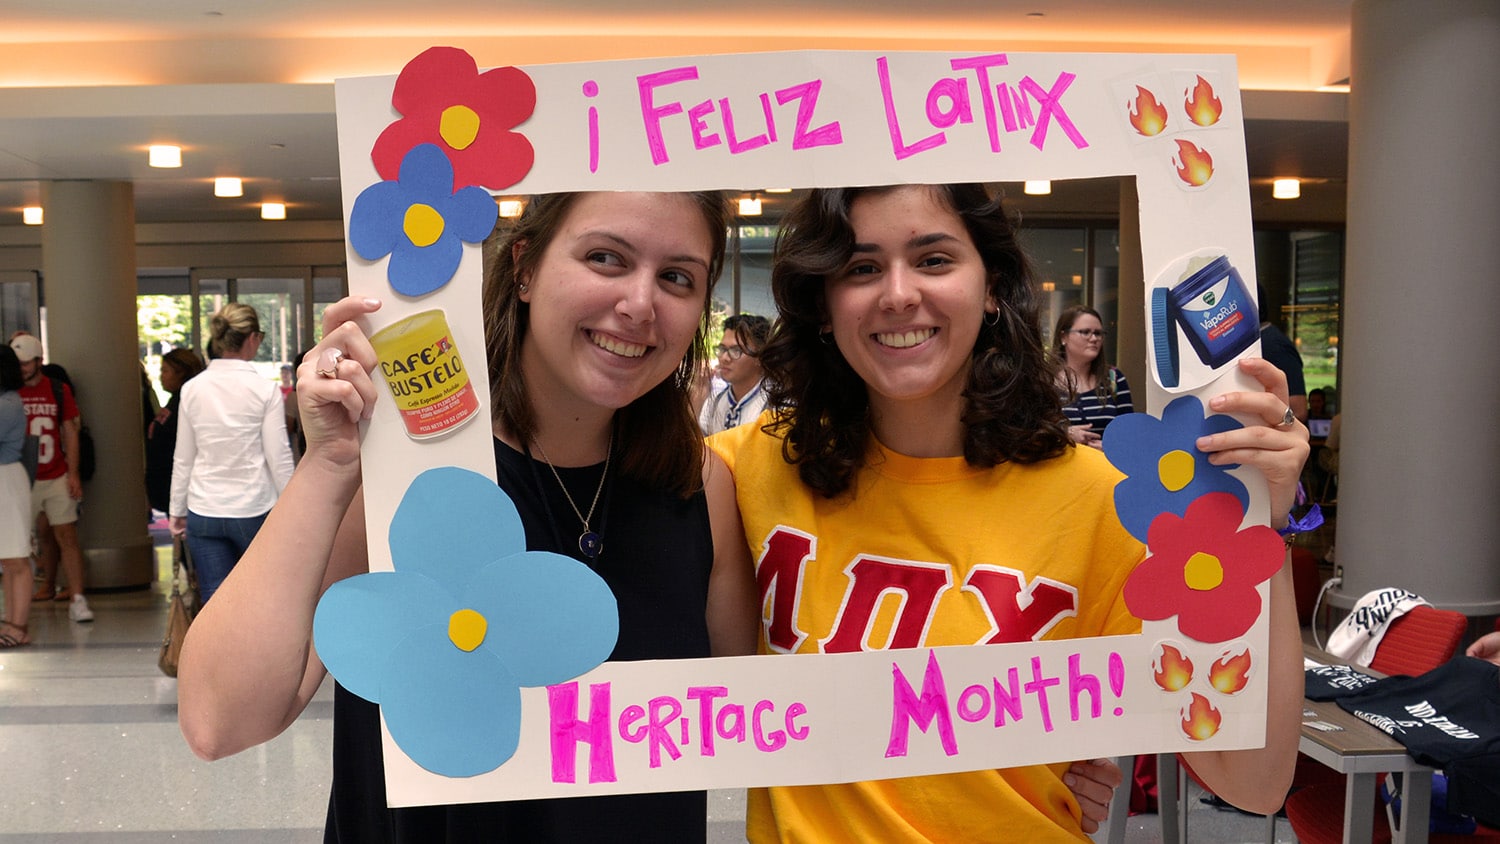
column 1165, row 471
column 420, row 221
column 446, row 641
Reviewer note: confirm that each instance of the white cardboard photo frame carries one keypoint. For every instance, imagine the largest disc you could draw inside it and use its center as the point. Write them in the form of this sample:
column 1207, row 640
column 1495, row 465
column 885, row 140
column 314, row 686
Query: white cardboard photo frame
column 901, row 118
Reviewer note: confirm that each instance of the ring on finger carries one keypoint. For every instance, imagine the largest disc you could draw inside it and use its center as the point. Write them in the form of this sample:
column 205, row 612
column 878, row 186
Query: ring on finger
column 1288, row 419
column 328, row 362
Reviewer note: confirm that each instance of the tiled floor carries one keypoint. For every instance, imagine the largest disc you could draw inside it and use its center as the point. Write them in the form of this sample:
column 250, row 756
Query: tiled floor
column 90, row 751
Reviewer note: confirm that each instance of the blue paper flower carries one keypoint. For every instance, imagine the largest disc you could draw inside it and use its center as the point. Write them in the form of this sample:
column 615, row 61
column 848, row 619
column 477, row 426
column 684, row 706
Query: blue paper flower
column 446, row 641
column 420, row 221
column 1165, row 471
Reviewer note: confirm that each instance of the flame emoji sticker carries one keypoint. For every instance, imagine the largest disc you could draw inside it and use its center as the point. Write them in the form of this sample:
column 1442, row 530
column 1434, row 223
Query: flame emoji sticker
column 1200, row 720
column 1194, row 165
column 1230, row 674
column 1170, row 669
column 1203, row 108
column 1148, row 116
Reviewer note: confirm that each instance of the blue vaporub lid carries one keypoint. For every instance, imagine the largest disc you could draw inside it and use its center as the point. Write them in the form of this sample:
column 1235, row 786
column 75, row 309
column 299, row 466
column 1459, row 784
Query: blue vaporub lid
column 1217, row 313
column 1163, row 339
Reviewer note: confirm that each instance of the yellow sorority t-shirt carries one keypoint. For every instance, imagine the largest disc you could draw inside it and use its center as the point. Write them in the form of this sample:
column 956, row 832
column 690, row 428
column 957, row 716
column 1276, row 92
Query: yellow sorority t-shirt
column 929, row 552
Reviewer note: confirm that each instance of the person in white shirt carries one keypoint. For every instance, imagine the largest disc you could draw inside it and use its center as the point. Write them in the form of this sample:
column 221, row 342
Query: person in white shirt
column 743, row 396
column 232, row 458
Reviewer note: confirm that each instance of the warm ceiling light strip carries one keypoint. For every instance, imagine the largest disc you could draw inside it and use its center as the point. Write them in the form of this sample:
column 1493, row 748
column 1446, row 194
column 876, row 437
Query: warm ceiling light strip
column 164, row 155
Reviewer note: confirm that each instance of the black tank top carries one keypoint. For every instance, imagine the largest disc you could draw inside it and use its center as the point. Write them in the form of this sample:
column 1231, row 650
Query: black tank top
column 657, row 554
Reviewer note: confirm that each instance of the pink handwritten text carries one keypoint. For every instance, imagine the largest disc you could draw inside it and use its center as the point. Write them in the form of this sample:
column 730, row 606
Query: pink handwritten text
column 668, row 726
column 949, row 102
column 1001, row 701
column 711, row 122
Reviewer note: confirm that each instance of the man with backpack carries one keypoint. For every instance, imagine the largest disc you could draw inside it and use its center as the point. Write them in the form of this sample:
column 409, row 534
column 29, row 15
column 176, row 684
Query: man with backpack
column 52, row 416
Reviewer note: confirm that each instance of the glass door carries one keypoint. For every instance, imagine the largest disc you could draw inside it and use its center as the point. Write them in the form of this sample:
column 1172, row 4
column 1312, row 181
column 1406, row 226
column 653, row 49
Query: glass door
column 19, row 307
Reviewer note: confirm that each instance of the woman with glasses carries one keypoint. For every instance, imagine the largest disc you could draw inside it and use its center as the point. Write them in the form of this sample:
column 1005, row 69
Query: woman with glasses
column 232, row 458
column 742, row 397
column 1093, row 392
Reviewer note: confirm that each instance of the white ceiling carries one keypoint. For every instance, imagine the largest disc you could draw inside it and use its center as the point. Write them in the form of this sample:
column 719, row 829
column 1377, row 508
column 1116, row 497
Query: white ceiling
column 245, row 87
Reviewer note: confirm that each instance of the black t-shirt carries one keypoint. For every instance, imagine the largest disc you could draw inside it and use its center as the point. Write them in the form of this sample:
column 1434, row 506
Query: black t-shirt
column 658, row 551
column 1448, row 718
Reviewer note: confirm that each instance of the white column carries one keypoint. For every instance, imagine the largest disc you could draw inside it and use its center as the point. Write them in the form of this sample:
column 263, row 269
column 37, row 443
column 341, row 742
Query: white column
column 88, row 273
column 1419, row 492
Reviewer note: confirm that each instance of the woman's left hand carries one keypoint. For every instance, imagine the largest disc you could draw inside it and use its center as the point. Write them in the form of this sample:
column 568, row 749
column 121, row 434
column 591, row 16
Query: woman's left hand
column 1277, row 450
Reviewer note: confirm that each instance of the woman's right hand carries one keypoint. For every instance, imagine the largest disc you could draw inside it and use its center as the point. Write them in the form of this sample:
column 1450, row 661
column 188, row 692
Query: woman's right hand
column 332, row 406
column 1084, row 435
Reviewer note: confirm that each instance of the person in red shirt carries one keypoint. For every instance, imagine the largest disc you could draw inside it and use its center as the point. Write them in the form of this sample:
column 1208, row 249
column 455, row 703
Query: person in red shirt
column 58, row 487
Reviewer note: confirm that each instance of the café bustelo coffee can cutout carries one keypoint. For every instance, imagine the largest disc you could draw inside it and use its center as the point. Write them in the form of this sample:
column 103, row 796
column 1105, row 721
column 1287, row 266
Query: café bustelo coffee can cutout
column 426, row 375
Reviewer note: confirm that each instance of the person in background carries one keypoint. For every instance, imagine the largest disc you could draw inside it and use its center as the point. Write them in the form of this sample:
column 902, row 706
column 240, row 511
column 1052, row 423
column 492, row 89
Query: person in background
column 1486, row 647
column 743, row 396
column 293, row 419
column 177, row 368
column 1093, row 392
column 232, row 458
column 150, row 405
column 15, row 505
column 59, row 488
column 1317, row 404
column 915, row 426
column 1279, row 349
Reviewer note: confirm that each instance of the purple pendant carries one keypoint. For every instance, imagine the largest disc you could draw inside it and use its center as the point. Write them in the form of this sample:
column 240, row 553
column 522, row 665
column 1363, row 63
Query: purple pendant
column 590, row 544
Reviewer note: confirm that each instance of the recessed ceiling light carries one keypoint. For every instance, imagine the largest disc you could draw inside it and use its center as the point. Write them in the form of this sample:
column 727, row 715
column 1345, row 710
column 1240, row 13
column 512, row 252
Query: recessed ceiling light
column 228, row 186
column 510, row 208
column 164, row 155
column 273, row 211
column 1037, row 187
column 749, row 206
column 31, row 215
column 1286, row 189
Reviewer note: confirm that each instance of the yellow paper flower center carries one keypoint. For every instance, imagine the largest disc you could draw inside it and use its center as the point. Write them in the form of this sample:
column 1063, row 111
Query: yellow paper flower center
column 1175, row 469
column 1203, row 572
column 459, row 126
column 466, row 629
column 423, row 224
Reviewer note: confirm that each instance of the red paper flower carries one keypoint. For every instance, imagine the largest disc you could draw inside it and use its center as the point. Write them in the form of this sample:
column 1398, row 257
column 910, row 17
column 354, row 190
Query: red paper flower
column 445, row 100
column 1204, row 570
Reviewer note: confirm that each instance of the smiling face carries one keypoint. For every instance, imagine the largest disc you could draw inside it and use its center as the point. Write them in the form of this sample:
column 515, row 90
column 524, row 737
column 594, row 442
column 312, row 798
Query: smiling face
column 905, row 309
column 614, row 301
column 1084, row 339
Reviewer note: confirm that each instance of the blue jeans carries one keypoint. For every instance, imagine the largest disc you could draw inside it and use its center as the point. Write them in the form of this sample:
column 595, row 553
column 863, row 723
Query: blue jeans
column 216, row 545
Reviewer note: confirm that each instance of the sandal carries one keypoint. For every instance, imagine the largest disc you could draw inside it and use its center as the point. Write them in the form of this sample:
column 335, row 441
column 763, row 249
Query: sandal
column 44, row 593
column 8, row 640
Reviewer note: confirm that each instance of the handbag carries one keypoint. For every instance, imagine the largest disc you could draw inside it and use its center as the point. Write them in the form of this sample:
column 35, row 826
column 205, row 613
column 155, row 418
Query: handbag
column 181, row 609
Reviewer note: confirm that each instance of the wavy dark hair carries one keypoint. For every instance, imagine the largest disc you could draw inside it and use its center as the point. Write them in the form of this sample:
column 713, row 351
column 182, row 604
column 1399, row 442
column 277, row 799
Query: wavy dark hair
column 822, row 407
column 751, row 330
column 658, row 435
